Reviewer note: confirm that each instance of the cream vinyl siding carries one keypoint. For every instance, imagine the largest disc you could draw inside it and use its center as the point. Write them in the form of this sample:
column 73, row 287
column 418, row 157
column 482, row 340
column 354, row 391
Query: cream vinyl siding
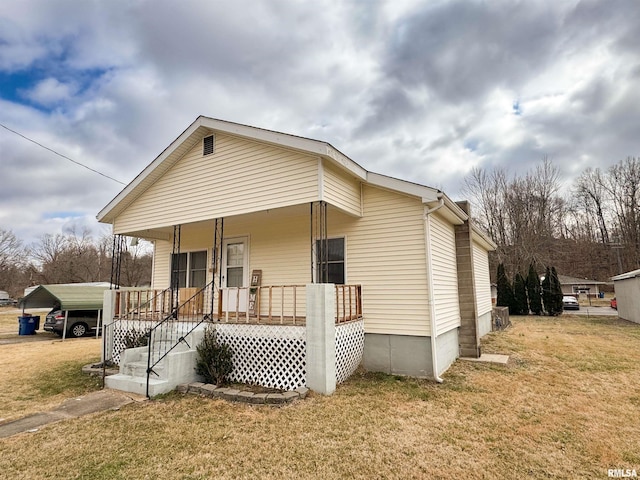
column 481, row 279
column 278, row 244
column 341, row 191
column 242, row 176
column 385, row 253
column 445, row 274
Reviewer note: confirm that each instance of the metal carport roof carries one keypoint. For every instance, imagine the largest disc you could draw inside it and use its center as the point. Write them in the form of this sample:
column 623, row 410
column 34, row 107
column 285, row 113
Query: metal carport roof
column 69, row 297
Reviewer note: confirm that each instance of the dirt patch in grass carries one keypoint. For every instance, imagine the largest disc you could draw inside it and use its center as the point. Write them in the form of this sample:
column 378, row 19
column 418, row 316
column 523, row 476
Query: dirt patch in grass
column 566, row 406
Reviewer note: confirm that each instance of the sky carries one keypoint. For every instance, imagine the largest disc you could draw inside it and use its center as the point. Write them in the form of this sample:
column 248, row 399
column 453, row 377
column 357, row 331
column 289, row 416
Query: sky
column 419, row 90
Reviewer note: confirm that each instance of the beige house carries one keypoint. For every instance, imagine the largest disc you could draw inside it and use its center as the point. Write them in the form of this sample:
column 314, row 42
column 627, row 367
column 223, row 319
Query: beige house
column 249, row 217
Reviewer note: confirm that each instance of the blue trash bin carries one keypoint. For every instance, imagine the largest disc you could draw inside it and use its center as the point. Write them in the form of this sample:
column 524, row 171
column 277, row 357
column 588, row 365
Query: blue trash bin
column 27, row 325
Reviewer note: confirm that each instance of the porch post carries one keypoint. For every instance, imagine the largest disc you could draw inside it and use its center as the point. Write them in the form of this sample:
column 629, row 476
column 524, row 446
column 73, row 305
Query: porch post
column 175, row 271
column 319, row 243
column 321, row 338
column 116, row 260
column 216, row 264
column 108, row 310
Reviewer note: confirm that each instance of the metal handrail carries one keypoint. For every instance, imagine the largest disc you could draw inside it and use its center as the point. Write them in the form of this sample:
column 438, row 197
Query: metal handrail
column 177, row 328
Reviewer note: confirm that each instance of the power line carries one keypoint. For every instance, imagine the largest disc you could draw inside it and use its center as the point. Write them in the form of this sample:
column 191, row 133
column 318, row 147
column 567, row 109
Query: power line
column 61, row 155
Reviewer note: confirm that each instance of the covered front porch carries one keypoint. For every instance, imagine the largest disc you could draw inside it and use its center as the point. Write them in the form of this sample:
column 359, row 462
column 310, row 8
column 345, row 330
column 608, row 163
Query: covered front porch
column 248, row 276
column 310, row 335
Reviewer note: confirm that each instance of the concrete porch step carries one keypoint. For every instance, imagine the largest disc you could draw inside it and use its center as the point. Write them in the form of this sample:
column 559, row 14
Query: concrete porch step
column 136, row 384
column 139, row 368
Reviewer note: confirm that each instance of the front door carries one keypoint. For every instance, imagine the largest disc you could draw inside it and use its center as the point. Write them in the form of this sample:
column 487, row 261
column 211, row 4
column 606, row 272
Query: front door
column 235, row 266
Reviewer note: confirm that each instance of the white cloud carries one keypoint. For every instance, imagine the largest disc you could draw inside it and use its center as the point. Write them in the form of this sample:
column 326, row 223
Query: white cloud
column 50, row 92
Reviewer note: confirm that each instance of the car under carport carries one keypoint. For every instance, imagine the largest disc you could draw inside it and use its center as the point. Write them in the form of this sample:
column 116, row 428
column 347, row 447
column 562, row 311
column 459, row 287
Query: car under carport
column 68, row 298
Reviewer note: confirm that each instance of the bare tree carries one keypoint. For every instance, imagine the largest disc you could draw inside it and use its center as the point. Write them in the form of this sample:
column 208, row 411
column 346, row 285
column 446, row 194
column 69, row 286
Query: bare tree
column 591, row 192
column 623, row 186
column 12, row 262
column 522, row 214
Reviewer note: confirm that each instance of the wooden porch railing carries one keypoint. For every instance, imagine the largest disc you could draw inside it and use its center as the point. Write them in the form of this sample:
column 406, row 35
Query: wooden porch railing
column 145, row 304
column 273, row 304
column 348, row 303
column 282, row 304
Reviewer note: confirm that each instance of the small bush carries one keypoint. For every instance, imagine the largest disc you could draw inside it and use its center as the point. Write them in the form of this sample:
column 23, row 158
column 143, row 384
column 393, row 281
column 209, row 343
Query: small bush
column 214, row 358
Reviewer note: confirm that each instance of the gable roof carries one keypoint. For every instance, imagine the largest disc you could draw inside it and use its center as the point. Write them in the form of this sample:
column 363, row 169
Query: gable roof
column 204, row 125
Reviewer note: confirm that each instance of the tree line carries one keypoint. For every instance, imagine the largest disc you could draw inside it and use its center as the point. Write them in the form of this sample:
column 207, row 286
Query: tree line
column 591, row 230
column 67, row 258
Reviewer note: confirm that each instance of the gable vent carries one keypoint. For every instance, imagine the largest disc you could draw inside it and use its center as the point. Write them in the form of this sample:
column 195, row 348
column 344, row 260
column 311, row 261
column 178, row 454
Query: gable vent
column 207, row 145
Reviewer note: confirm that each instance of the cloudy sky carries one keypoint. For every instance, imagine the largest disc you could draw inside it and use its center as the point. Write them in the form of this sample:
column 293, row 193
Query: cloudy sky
column 420, row 90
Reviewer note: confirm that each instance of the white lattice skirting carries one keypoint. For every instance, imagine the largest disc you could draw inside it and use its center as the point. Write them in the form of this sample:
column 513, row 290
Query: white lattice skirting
column 268, row 355
column 117, row 335
column 349, row 348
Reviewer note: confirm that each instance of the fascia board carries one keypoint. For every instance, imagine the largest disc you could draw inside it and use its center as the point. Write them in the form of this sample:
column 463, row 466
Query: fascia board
column 146, row 173
column 427, row 194
column 483, row 238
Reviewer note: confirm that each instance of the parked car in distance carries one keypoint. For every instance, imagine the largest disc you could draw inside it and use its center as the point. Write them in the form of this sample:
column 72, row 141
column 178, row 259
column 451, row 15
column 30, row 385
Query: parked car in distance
column 614, row 303
column 570, row 303
column 79, row 322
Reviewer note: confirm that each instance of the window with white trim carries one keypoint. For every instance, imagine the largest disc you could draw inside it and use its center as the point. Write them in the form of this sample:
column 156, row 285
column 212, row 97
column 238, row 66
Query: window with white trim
column 190, row 269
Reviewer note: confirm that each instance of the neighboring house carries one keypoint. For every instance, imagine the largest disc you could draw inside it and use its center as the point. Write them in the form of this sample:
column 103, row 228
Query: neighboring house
column 226, row 204
column 627, row 288
column 574, row 285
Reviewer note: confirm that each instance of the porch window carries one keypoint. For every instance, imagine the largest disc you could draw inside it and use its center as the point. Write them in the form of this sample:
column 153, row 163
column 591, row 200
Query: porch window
column 190, row 266
column 333, row 270
column 198, row 269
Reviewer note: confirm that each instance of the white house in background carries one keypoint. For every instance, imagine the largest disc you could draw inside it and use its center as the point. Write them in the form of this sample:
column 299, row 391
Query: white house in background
column 627, row 288
column 226, row 204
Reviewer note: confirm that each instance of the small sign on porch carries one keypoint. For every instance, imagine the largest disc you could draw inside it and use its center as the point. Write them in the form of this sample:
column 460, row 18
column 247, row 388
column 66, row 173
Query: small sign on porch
column 256, row 280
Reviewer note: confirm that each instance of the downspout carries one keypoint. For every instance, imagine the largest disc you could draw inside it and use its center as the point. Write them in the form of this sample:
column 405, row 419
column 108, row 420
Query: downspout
column 432, row 307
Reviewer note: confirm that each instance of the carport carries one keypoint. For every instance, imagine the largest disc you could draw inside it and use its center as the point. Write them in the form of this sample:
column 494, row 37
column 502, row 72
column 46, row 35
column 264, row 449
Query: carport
column 69, row 298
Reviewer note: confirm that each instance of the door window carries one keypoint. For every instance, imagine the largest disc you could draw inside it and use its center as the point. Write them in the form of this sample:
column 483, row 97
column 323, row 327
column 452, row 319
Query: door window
column 235, row 264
